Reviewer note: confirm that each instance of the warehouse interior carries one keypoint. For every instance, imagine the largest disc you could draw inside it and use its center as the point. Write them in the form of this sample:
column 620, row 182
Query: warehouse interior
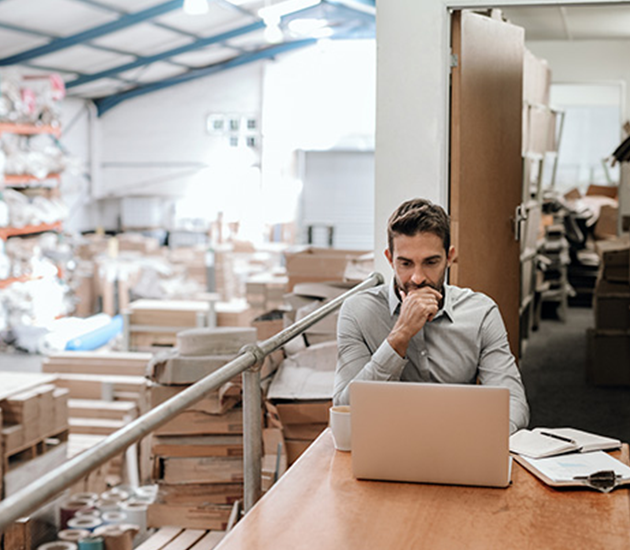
column 186, row 178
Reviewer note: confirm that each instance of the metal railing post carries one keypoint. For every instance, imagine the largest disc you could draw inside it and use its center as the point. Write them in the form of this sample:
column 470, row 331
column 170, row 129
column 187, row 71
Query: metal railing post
column 252, row 427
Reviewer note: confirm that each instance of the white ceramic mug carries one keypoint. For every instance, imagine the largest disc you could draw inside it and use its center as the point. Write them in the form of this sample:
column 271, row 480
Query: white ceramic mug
column 340, row 426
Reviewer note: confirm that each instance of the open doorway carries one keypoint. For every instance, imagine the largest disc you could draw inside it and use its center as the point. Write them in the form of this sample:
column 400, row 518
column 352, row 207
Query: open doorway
column 589, row 109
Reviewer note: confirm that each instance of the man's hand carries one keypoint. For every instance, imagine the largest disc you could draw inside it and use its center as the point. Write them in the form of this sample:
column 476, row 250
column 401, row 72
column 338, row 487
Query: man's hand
column 418, row 307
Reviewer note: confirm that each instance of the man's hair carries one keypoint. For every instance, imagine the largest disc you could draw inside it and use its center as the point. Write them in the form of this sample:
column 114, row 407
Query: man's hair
column 419, row 216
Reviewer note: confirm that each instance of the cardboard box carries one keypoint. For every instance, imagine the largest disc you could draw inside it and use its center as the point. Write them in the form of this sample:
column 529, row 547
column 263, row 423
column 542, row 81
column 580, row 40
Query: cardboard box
column 608, row 222
column 612, row 306
column 603, row 191
column 608, row 362
column 200, row 423
column 295, row 447
column 313, row 264
column 189, row 517
column 199, row 494
column 217, row 402
column 197, row 446
column 184, row 470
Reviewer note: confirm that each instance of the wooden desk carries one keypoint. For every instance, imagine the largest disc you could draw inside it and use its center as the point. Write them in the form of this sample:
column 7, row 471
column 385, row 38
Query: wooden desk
column 319, row 505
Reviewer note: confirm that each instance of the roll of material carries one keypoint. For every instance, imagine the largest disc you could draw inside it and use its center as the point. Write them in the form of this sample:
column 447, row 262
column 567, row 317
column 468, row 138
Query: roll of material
column 69, row 509
column 136, row 514
column 88, row 524
column 58, row 545
column 150, row 491
column 118, row 537
column 115, row 494
column 141, row 500
column 73, row 535
column 113, row 518
column 89, row 513
column 92, row 543
column 85, row 495
column 108, row 505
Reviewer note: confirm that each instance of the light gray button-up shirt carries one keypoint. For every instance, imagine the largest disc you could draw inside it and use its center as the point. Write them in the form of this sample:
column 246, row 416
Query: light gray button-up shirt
column 465, row 342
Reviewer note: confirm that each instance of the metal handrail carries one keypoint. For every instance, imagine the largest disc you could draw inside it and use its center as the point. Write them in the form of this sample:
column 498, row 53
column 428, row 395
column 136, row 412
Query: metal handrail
column 51, row 484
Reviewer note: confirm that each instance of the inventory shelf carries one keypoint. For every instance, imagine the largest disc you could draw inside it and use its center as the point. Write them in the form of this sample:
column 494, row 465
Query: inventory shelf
column 27, row 179
column 6, row 232
column 29, row 129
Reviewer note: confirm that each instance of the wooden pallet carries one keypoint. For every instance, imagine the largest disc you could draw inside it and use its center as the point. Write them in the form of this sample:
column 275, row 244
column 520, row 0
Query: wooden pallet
column 176, row 538
column 33, row 449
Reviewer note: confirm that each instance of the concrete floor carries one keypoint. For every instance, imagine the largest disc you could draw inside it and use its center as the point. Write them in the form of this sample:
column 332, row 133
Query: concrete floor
column 554, row 373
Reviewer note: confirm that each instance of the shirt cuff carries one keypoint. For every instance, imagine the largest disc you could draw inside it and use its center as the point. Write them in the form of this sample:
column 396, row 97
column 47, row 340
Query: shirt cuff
column 388, row 361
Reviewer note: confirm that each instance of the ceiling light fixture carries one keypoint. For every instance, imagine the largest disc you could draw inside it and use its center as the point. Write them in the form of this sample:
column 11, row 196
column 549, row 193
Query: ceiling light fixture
column 196, row 7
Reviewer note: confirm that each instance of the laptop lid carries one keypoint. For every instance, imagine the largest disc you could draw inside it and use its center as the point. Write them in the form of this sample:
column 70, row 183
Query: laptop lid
column 430, row 433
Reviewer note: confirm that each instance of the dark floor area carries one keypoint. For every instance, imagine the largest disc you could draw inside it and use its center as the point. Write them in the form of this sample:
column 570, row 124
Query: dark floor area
column 554, row 373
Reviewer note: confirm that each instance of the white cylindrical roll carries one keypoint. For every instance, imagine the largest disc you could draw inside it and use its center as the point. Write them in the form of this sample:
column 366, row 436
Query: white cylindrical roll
column 147, row 491
column 136, row 514
column 88, row 514
column 107, row 505
column 58, row 545
column 141, row 500
column 84, row 523
column 73, row 535
column 111, row 518
column 84, row 496
column 115, row 494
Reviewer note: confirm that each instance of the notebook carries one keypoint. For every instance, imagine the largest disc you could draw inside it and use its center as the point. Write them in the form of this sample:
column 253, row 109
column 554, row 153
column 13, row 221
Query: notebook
column 430, row 433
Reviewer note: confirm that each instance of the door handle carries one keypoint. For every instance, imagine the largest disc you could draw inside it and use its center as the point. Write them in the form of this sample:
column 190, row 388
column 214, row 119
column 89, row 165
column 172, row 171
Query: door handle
column 520, row 215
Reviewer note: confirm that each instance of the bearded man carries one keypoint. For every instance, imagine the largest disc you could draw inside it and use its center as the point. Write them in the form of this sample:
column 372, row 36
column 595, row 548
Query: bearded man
column 420, row 329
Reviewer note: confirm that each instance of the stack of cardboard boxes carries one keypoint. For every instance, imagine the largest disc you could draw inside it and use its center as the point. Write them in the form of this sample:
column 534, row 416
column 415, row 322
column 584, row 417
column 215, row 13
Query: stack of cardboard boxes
column 609, row 342
column 198, row 456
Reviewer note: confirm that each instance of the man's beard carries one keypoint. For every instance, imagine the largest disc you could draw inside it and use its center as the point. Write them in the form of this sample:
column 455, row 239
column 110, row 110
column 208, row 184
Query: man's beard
column 410, row 287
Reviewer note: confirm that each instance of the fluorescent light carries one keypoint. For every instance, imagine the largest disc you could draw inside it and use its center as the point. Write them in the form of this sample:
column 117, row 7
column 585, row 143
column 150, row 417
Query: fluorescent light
column 276, row 11
column 273, row 34
column 196, row 7
column 305, row 27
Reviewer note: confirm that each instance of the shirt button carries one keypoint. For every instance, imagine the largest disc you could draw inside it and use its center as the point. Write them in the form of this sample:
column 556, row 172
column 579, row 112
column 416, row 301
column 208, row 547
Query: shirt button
column 423, row 352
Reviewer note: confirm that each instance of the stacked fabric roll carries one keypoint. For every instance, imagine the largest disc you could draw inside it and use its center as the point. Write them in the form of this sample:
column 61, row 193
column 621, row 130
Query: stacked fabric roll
column 113, row 520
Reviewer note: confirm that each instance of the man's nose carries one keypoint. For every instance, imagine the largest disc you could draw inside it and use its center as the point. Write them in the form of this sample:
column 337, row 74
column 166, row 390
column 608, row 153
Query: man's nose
column 418, row 276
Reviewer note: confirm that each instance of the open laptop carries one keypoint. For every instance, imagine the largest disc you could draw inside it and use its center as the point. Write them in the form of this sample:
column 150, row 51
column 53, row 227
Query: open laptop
column 430, row 433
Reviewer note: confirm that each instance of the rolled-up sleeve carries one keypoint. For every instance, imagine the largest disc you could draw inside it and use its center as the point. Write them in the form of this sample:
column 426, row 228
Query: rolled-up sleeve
column 357, row 360
column 497, row 367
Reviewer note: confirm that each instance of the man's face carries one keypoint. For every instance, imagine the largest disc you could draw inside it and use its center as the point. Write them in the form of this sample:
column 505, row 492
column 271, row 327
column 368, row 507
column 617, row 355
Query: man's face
column 419, row 261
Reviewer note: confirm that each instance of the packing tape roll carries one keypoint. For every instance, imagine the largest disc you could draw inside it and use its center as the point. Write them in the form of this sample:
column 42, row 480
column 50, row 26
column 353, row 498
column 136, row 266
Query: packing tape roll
column 115, row 494
column 110, row 518
column 73, row 535
column 87, row 514
column 70, row 507
column 85, row 495
column 118, row 537
column 85, row 523
column 136, row 514
column 107, row 505
column 92, row 543
column 149, row 491
column 58, row 545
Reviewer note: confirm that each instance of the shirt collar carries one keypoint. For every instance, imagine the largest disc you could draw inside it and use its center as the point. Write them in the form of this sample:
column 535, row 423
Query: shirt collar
column 447, row 308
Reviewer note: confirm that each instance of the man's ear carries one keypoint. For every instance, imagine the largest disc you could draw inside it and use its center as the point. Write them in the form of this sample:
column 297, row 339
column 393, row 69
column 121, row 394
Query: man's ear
column 388, row 255
column 450, row 257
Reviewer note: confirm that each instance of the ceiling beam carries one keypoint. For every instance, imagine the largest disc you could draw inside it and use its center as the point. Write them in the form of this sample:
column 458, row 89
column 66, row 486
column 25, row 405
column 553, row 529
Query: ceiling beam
column 147, row 60
column 93, row 33
column 106, row 103
column 112, row 9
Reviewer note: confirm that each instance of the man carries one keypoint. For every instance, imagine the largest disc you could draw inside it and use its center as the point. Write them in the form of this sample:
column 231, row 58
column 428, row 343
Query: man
column 420, row 329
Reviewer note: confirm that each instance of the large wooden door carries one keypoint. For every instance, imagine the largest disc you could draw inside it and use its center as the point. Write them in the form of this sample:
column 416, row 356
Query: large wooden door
column 486, row 168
